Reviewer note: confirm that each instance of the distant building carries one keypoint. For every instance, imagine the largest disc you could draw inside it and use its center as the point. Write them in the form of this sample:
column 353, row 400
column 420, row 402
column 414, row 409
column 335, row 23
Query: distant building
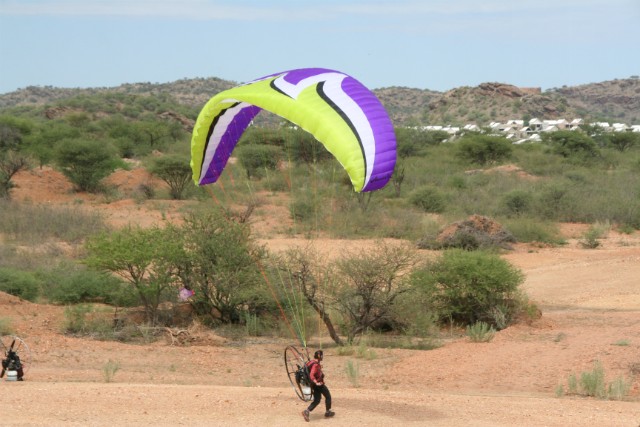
column 516, row 131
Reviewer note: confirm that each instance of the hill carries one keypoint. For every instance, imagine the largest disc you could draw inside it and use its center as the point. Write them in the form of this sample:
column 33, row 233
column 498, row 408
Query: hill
column 614, row 101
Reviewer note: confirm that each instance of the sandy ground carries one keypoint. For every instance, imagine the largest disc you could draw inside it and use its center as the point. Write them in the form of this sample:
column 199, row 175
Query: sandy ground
column 590, row 303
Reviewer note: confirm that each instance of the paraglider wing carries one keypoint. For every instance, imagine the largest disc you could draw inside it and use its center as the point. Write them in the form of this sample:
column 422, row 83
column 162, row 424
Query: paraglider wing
column 335, row 108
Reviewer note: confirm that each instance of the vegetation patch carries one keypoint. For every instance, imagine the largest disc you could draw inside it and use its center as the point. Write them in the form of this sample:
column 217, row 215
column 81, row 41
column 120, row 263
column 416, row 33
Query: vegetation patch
column 593, row 384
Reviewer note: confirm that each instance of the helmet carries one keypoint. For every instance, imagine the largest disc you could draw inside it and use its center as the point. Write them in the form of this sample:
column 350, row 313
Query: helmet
column 317, row 354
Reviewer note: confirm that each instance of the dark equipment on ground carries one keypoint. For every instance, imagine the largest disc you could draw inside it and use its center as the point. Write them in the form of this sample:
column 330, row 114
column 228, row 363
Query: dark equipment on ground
column 15, row 357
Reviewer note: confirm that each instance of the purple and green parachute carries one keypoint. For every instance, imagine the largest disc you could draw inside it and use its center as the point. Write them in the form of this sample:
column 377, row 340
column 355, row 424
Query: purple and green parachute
column 335, row 108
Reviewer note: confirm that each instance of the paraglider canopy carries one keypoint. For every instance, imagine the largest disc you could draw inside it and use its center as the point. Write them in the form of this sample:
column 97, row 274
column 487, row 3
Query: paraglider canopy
column 335, row 108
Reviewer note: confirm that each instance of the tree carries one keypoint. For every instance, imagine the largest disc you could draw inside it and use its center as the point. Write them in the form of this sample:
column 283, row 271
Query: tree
column 429, row 199
column 572, row 144
column 41, row 144
column 23, row 284
column 140, row 137
column 468, row 287
column 12, row 131
column 309, row 277
column 398, row 177
column 483, row 149
column 145, row 258
column 10, row 164
column 598, row 133
column 302, row 147
column 11, row 160
column 256, row 158
column 86, row 162
column 222, row 266
column 175, row 171
column 368, row 283
column 153, row 132
column 413, row 142
column 622, row 141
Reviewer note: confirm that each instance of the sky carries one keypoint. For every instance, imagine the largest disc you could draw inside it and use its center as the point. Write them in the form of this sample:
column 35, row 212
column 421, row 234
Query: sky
column 425, row 44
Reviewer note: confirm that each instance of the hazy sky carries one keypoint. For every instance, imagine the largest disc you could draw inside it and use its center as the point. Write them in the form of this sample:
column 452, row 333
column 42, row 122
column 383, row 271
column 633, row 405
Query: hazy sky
column 427, row 44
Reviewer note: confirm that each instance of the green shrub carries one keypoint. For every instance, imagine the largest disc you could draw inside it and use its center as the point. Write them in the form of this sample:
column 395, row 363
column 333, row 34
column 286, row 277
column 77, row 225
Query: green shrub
column 303, row 209
column 467, row 286
column 590, row 239
column 555, row 202
column 480, row 332
column 175, row 171
column 5, row 326
column 572, row 384
column 530, row 230
column 302, row 147
column 352, row 370
column 109, row 370
column 258, row 158
column 86, row 162
column 484, row 149
column 414, row 314
column 76, row 318
column 577, row 146
column 428, row 199
column 517, row 202
column 618, row 389
column 73, row 287
column 19, row 283
column 276, row 182
column 592, row 382
column 85, row 319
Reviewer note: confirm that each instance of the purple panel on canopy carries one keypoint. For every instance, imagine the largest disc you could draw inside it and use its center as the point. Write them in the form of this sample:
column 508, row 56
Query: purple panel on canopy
column 296, row 76
column 385, row 155
column 234, row 131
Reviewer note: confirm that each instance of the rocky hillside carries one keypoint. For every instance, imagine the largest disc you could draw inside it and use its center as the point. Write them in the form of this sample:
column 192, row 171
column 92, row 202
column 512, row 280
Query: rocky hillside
column 618, row 99
column 614, row 101
column 192, row 92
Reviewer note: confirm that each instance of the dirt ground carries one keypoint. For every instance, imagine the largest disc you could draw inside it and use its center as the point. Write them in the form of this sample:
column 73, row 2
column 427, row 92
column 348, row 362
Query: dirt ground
column 590, row 303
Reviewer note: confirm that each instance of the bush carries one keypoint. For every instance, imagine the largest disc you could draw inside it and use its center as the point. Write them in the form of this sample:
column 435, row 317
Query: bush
column 555, row 202
column 19, row 283
column 577, row 146
column 175, row 171
column 480, row 332
column 428, row 199
column 109, row 370
column 531, row 230
column 468, row 287
column 592, row 383
column 86, row 162
column 89, row 286
column 517, row 202
column 484, row 149
column 5, row 326
column 595, row 232
column 256, row 159
column 84, row 319
column 303, row 209
column 302, row 147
